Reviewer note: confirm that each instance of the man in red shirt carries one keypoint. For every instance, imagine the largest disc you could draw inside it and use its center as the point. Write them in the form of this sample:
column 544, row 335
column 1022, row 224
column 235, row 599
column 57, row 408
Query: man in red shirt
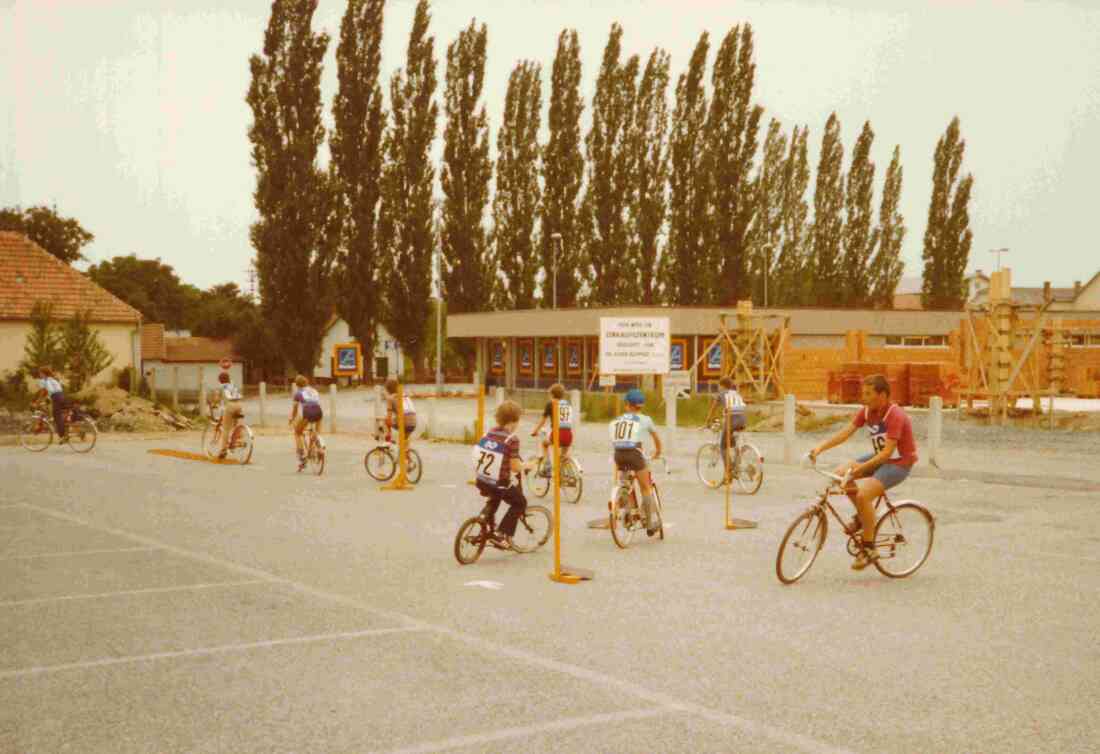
column 893, row 454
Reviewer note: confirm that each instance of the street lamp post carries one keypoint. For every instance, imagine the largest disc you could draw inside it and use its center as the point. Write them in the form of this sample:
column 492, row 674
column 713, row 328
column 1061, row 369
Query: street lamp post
column 438, row 322
column 998, row 252
column 555, row 237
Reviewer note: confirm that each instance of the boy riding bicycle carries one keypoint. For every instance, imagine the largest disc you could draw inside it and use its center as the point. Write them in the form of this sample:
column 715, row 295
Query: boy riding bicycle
column 894, row 452
column 310, row 400
column 50, row 386
column 391, row 409
column 627, row 433
column 728, row 403
column 499, row 467
column 229, row 396
column 564, row 408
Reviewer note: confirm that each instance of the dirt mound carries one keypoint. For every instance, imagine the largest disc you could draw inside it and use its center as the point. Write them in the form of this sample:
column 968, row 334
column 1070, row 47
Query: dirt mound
column 123, row 412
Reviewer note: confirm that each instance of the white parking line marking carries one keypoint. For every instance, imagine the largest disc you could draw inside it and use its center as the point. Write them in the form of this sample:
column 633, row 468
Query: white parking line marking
column 75, row 553
column 202, row 651
column 793, row 740
column 128, row 592
column 485, row 584
column 568, row 723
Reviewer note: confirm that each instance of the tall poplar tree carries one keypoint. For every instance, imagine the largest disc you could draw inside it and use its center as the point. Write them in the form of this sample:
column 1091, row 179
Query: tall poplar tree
column 356, row 166
column 684, row 266
column 562, row 173
column 518, row 195
column 763, row 238
column 860, row 234
column 732, row 125
column 295, row 238
column 828, row 225
column 466, row 173
column 948, row 237
column 610, row 177
column 886, row 267
column 647, row 143
column 793, row 287
column 406, row 216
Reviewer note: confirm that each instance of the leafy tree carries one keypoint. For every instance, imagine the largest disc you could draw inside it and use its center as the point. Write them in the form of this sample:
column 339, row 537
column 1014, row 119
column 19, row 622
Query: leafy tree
column 297, row 233
column 256, row 343
column 684, row 266
column 63, row 237
column 43, row 347
column 886, row 267
column 151, row 287
column 731, row 139
column 405, row 220
column 562, row 172
column 221, row 312
column 84, row 353
column 762, row 240
column 465, row 176
column 860, row 237
column 356, row 167
column 603, row 225
column 948, row 236
column 792, row 286
column 647, row 143
column 824, row 263
column 518, row 195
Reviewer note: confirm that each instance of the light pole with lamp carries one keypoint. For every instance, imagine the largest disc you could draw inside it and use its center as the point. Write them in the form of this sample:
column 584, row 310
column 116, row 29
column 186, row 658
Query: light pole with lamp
column 555, row 237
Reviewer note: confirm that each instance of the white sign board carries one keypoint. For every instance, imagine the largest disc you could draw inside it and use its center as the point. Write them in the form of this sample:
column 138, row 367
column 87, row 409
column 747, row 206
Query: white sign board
column 634, row 345
column 607, row 380
column 678, row 379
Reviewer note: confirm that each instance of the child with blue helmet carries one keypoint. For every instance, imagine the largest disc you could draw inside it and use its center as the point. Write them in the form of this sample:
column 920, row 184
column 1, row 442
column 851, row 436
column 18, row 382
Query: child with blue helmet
column 627, row 434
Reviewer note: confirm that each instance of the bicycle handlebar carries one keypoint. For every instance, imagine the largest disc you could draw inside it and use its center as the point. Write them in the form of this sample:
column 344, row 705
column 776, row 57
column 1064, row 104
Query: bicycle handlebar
column 841, row 480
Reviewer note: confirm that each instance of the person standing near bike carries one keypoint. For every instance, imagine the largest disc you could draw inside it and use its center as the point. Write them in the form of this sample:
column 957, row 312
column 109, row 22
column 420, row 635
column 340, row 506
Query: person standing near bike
column 499, row 469
column 52, row 387
column 310, row 400
column 232, row 410
column 564, row 408
column 893, row 454
column 627, row 433
column 730, row 403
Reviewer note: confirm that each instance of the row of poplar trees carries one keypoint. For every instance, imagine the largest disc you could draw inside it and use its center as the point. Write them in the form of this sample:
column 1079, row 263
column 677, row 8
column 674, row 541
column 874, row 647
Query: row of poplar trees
column 679, row 205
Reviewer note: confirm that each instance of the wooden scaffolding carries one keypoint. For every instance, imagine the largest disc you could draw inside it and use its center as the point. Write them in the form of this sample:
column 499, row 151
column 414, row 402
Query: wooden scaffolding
column 751, row 354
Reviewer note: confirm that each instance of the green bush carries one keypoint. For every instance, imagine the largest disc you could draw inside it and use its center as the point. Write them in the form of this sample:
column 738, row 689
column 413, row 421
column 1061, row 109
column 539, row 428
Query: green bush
column 14, row 393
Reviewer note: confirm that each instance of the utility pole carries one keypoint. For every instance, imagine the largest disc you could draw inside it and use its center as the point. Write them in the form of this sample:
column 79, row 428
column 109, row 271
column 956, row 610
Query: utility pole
column 438, row 321
column 556, row 237
column 998, row 252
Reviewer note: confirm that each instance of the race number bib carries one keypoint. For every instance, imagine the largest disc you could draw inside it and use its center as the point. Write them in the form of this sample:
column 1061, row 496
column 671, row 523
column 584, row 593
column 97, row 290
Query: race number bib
column 877, row 432
column 626, row 432
column 488, row 457
column 231, row 392
column 565, row 415
column 408, row 405
column 309, row 395
column 734, row 401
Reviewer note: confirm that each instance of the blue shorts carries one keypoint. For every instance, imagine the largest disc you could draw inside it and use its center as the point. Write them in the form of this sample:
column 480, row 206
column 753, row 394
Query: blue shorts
column 312, row 412
column 888, row 474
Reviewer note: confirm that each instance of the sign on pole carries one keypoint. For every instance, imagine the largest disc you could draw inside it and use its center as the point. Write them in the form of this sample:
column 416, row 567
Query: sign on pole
column 607, row 380
column 677, row 380
column 634, row 345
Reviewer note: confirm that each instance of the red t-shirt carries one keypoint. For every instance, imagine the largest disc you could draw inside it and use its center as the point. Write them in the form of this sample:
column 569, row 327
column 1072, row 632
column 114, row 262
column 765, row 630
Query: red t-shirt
column 891, row 423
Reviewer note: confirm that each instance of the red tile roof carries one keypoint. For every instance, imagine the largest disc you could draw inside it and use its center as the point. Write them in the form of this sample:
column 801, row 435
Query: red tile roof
column 152, row 342
column 198, row 349
column 29, row 273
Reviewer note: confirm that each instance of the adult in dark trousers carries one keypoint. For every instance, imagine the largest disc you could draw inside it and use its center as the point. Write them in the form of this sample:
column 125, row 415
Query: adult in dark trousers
column 50, row 386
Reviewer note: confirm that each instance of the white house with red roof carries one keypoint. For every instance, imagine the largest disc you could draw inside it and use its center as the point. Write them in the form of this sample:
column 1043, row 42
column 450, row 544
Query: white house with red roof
column 29, row 274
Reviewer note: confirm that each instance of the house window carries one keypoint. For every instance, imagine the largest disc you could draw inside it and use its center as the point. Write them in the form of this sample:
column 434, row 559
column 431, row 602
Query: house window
column 916, row 341
column 1084, row 341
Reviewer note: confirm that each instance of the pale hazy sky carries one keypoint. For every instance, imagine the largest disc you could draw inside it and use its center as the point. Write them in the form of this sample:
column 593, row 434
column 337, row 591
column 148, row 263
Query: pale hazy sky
column 130, row 115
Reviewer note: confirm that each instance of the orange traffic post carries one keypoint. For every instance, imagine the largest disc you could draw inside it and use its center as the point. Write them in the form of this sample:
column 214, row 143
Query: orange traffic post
column 727, row 472
column 562, row 574
column 479, row 423
column 401, row 481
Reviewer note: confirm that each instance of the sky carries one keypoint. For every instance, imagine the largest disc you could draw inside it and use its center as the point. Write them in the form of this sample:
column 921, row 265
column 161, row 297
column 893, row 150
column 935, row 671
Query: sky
column 130, row 116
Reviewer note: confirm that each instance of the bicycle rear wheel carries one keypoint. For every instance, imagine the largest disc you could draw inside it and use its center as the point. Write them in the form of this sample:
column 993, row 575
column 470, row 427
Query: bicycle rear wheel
column 82, row 434
column 413, row 466
column 379, row 464
column 623, row 524
column 572, row 481
column 470, row 540
column 533, row 529
column 316, row 455
column 212, row 440
column 750, row 469
column 800, row 546
column 36, row 434
column 240, row 444
column 903, row 540
column 708, row 465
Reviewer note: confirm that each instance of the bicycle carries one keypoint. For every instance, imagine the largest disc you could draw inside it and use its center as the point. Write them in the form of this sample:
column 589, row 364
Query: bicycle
column 476, row 532
column 905, row 528
column 315, row 449
column 540, row 477
column 381, row 461
column 746, row 463
column 37, row 432
column 239, row 445
column 625, row 514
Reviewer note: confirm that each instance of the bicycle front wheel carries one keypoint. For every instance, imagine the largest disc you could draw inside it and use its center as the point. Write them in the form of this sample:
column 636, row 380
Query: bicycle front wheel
column 572, row 481
column 537, row 481
column 211, row 440
column 379, row 464
column 36, row 434
column 317, row 455
column 413, row 466
column 470, row 540
column 750, row 469
column 800, row 546
column 903, row 540
column 708, row 464
column 82, row 434
column 533, row 529
column 622, row 518
column 240, row 444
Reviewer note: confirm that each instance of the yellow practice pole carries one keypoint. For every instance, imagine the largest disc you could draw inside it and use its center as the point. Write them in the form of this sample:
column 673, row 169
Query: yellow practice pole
column 401, row 481
column 558, row 575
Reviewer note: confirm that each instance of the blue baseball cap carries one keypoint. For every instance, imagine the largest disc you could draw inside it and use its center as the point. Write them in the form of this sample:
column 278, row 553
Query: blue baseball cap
column 635, row 397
